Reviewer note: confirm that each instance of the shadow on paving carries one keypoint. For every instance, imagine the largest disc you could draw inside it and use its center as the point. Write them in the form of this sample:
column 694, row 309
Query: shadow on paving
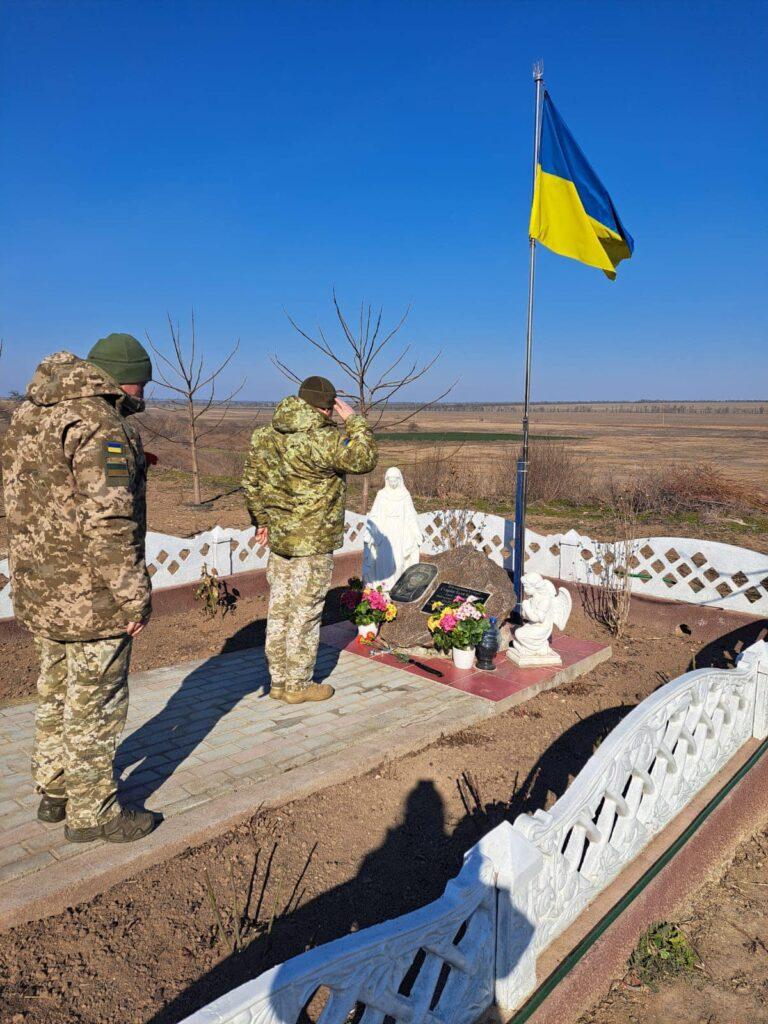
column 164, row 742
column 410, row 869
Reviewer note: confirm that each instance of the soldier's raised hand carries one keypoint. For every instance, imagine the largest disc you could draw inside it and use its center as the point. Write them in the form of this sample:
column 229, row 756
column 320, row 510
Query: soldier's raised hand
column 344, row 410
column 262, row 536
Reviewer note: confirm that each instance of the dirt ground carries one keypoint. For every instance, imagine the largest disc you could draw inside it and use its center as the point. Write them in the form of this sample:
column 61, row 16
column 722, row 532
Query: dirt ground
column 149, row 950
column 726, row 924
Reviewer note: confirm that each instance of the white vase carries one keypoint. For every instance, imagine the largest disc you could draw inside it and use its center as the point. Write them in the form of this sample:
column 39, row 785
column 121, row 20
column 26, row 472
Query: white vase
column 463, row 659
column 369, row 631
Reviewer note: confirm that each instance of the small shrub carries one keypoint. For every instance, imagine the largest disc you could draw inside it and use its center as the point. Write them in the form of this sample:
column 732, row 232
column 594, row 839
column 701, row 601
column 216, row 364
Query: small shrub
column 609, row 601
column 215, row 594
column 664, row 951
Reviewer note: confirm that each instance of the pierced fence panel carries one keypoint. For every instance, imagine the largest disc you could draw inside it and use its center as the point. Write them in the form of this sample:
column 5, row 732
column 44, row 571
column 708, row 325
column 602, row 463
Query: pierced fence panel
column 675, row 568
column 643, row 774
column 435, row 964
column 450, row 528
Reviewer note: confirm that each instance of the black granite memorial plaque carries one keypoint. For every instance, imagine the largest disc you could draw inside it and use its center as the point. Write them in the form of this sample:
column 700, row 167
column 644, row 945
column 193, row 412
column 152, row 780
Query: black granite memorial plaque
column 413, row 583
column 448, row 592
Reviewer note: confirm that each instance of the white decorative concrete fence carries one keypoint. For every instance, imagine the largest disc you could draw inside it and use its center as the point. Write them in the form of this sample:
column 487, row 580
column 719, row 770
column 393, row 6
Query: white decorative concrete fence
column 172, row 561
column 522, row 885
column 676, row 568
column 684, row 569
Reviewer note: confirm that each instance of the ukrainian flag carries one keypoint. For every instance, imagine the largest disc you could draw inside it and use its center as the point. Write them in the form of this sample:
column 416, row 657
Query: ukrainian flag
column 572, row 213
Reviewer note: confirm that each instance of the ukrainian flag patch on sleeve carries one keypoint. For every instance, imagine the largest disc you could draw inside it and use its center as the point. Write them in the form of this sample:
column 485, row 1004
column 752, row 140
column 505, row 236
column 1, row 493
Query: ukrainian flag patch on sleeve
column 116, row 463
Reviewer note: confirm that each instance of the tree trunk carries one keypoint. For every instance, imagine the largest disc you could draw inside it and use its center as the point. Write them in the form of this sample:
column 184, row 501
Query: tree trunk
column 196, row 496
column 364, row 411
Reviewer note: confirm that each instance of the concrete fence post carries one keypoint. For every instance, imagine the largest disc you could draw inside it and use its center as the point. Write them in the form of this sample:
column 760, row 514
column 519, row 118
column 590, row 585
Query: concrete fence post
column 570, row 546
column 221, row 550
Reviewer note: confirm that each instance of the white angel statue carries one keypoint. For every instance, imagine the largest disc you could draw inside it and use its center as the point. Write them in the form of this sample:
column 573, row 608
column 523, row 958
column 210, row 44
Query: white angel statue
column 543, row 607
column 392, row 534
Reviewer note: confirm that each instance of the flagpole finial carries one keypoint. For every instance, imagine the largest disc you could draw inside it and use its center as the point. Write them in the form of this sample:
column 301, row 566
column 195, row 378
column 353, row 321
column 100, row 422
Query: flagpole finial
column 538, row 71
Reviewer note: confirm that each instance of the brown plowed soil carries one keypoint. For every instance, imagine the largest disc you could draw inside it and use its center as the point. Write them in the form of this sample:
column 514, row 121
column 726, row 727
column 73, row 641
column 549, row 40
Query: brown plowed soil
column 150, row 949
column 727, row 926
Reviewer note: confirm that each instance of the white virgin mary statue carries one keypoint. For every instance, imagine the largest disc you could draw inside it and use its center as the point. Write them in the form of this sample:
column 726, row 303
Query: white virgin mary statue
column 392, row 533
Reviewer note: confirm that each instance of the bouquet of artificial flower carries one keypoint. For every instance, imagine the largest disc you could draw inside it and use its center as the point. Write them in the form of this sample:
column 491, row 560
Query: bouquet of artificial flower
column 367, row 606
column 460, row 624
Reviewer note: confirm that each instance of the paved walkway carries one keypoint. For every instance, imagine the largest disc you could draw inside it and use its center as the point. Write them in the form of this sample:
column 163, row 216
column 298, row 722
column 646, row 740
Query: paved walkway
column 204, row 746
column 199, row 731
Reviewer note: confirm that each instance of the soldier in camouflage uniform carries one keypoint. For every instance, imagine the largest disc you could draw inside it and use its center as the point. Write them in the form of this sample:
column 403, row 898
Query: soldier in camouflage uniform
column 75, row 479
column 295, row 487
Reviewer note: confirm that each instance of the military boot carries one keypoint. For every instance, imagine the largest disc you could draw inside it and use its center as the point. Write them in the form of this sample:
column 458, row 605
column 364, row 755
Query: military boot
column 277, row 692
column 313, row 692
column 52, row 809
column 126, row 827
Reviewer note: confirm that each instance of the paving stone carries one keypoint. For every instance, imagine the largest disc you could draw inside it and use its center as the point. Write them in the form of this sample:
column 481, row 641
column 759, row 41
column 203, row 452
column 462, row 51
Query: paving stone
column 69, row 850
column 25, row 866
column 9, row 854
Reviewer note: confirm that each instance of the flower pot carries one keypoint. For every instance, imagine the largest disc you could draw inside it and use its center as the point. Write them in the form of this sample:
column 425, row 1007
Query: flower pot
column 368, row 632
column 463, row 659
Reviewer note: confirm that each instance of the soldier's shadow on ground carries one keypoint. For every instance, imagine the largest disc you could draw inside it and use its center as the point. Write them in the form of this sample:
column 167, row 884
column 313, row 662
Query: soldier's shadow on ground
column 418, row 856
column 160, row 746
column 410, row 868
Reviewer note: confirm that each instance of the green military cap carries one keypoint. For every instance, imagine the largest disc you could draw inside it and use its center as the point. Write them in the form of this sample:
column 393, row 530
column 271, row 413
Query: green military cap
column 123, row 357
column 318, row 392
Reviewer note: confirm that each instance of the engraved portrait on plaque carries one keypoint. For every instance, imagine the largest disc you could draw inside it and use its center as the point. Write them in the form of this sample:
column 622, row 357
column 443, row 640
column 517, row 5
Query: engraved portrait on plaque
column 413, row 583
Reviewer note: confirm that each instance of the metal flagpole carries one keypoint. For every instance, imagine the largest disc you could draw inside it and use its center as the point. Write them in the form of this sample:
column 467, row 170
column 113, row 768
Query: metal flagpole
column 521, row 491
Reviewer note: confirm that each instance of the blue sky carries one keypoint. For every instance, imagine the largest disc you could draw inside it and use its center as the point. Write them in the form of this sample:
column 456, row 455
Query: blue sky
column 244, row 157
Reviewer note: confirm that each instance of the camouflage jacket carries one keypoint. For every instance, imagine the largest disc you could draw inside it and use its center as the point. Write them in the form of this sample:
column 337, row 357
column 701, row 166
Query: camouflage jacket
column 295, row 477
column 75, row 479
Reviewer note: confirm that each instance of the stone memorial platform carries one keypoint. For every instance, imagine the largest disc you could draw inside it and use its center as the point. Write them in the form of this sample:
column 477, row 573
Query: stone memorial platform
column 507, row 681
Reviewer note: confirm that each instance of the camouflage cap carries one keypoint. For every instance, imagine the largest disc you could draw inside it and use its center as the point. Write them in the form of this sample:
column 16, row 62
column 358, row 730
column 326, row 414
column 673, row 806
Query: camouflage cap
column 318, row 392
column 123, row 357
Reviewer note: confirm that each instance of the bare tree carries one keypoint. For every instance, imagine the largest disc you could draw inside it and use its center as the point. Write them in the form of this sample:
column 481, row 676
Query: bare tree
column 375, row 378
column 184, row 374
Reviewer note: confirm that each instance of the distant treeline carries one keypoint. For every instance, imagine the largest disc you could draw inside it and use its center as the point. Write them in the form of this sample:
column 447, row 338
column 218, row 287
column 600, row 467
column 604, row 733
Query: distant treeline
column 749, row 406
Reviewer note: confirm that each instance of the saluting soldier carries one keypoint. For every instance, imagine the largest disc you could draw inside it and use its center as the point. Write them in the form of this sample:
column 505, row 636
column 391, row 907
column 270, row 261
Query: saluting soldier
column 296, row 487
column 75, row 483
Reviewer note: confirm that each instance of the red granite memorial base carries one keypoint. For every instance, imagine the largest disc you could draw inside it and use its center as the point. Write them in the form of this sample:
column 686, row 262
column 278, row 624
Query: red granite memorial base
column 508, row 682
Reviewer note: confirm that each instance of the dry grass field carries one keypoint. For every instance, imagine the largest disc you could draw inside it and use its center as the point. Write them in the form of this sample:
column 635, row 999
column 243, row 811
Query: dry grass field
column 465, row 454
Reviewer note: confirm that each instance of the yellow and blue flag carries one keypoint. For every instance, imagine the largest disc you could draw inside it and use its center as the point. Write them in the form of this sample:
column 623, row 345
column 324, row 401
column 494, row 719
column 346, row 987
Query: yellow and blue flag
column 572, row 213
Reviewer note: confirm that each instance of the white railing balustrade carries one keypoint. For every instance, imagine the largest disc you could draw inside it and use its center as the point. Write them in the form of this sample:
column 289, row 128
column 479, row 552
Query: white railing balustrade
column 522, row 885
column 676, row 568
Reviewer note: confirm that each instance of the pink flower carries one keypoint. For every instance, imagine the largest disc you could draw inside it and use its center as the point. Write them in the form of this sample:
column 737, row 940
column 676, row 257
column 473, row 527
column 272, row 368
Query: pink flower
column 448, row 622
column 376, row 600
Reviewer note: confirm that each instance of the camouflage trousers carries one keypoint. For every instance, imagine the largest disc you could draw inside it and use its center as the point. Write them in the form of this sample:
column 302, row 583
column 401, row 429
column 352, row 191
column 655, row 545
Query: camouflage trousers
column 82, row 704
column 297, row 590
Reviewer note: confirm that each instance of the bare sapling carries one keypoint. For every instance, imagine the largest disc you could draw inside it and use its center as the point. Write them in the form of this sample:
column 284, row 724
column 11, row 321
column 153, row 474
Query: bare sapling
column 184, row 373
column 374, row 373
column 609, row 601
